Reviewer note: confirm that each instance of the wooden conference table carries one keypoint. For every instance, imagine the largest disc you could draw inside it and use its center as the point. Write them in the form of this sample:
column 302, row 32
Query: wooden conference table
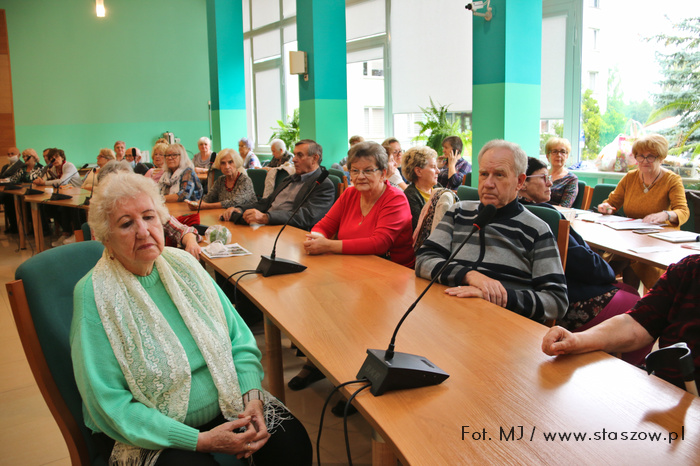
column 499, row 378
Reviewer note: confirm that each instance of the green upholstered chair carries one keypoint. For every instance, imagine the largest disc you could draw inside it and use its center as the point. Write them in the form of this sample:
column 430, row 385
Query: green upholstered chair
column 693, row 223
column 257, row 176
column 336, row 185
column 600, row 193
column 281, row 175
column 467, row 193
column 559, row 226
column 578, row 202
column 341, row 176
column 41, row 298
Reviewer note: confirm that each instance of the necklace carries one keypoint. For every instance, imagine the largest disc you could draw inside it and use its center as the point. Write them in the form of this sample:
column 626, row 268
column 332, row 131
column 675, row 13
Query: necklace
column 233, row 185
column 647, row 188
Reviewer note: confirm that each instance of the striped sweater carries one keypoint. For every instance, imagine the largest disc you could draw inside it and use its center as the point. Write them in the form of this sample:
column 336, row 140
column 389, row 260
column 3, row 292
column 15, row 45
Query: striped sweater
column 516, row 248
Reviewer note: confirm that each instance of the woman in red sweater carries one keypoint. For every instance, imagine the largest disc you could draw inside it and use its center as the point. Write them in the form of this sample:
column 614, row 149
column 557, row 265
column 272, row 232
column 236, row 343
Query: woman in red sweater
column 370, row 217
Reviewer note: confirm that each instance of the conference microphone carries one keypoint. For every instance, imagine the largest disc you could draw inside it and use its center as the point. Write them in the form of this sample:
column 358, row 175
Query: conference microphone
column 87, row 199
column 56, row 196
column 388, row 370
column 270, row 265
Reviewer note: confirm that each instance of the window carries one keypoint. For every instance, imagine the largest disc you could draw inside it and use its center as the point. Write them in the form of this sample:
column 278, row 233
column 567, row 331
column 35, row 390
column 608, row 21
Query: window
column 592, row 78
column 594, row 37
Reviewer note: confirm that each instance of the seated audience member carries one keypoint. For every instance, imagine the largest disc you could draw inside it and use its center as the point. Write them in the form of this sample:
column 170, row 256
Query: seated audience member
column 519, row 267
column 158, row 157
column 594, row 296
column 179, row 182
column 651, row 193
column 133, row 156
column 420, row 165
column 453, row 168
column 62, row 173
column 232, row 188
column 29, row 170
column 564, row 183
column 392, row 146
column 370, row 217
column 119, row 150
column 202, row 160
column 14, row 164
column 280, row 154
column 667, row 312
column 178, row 385
column 176, row 233
column 103, row 157
column 250, row 160
column 277, row 208
column 343, row 164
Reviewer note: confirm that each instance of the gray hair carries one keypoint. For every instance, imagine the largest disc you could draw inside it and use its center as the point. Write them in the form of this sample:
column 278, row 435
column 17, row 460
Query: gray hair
column 279, row 144
column 416, row 157
column 117, row 189
column 235, row 156
column 114, row 167
column 368, row 150
column 247, row 142
column 519, row 155
column 204, row 139
column 31, row 153
column 185, row 161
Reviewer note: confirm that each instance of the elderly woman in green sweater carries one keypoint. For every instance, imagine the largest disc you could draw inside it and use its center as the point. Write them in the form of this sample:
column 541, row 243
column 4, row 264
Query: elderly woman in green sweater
column 167, row 370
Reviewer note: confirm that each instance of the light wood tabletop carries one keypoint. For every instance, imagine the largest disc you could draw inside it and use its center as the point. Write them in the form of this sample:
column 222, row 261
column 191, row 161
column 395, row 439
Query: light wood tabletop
column 77, row 200
column 499, row 377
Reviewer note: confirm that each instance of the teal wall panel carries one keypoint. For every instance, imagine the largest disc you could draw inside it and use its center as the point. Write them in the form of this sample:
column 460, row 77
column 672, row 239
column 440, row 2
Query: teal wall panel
column 80, row 82
column 327, row 124
column 233, row 123
column 523, row 41
column 226, row 58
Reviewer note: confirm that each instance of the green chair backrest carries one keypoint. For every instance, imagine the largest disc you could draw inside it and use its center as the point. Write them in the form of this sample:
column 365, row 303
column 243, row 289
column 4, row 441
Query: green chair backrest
column 601, row 192
column 87, row 234
column 257, row 176
column 467, row 193
column 281, row 175
column 339, row 173
column 550, row 216
column 579, row 197
column 336, row 182
column 693, row 223
column 49, row 279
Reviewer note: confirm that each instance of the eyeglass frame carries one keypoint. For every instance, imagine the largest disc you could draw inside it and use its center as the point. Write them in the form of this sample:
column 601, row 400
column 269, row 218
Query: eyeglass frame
column 171, row 156
column 367, row 172
column 547, row 178
column 558, row 151
column 645, row 158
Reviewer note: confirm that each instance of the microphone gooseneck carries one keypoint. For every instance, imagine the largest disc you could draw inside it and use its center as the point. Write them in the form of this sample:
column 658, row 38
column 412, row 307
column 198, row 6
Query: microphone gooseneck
column 483, row 219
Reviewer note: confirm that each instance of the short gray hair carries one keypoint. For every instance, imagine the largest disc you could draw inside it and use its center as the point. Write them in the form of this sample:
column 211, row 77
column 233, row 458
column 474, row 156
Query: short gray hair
column 278, row 143
column 204, row 139
column 114, row 167
column 519, row 155
column 121, row 187
column 185, row 161
column 368, row 150
column 247, row 142
column 235, row 156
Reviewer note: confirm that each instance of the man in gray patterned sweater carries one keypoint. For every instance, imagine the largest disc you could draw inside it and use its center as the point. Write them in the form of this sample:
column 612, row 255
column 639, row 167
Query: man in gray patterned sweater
column 513, row 261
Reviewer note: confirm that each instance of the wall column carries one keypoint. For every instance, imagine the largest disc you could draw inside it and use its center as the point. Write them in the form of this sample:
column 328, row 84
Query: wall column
column 226, row 72
column 506, row 79
column 323, row 106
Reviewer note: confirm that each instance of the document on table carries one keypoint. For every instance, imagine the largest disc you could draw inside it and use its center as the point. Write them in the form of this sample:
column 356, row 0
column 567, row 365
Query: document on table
column 650, row 249
column 632, row 225
column 217, row 249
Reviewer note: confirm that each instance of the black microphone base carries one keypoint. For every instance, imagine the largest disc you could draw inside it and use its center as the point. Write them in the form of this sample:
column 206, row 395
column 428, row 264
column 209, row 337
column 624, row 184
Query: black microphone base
column 269, row 266
column 60, row 197
column 402, row 371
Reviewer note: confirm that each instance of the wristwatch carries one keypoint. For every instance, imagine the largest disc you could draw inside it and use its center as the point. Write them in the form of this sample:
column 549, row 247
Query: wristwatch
column 668, row 215
column 253, row 394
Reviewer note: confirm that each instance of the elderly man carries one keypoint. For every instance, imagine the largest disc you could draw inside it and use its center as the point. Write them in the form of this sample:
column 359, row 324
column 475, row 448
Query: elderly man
column 119, row 150
column 133, row 156
column 513, row 262
column 277, row 208
column 14, row 163
column 280, row 155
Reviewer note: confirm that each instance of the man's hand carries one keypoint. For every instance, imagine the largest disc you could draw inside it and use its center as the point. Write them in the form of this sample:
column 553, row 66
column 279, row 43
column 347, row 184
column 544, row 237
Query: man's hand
column 255, row 216
column 230, row 211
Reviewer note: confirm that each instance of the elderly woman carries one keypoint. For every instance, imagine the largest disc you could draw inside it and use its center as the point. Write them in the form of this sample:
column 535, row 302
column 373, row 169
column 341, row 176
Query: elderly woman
column 179, row 182
column 565, row 184
column 650, row 192
column 61, row 173
column 158, row 157
column 453, row 168
column 420, row 167
column 280, row 154
column 167, row 370
column 202, row 159
column 250, row 160
column 392, row 146
column 370, row 217
column 594, row 296
column 233, row 188
column 31, row 170
column 91, row 179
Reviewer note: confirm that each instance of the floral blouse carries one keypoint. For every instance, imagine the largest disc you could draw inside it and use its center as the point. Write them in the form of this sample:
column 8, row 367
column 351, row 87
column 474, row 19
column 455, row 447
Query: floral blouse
column 564, row 190
column 241, row 194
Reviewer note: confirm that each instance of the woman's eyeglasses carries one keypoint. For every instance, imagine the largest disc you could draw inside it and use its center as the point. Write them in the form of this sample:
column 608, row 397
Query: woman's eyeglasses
column 642, row 158
column 546, row 178
column 559, row 151
column 171, row 156
column 367, row 172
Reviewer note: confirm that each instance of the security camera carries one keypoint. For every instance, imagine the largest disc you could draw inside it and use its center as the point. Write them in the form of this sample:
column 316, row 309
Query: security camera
column 474, row 6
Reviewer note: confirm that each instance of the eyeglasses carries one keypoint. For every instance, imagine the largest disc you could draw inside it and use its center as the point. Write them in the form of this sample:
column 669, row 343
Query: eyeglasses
column 397, row 152
column 642, row 158
column 559, row 151
column 171, row 156
column 367, row 172
column 546, row 178
column 26, row 157
column 100, row 156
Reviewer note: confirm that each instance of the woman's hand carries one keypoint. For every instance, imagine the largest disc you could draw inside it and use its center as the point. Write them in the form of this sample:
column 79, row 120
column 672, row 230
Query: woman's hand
column 558, row 341
column 222, row 439
column 193, row 205
column 606, row 209
column 658, row 217
column 230, row 211
column 317, row 244
column 491, row 289
column 254, row 411
column 189, row 242
column 39, row 181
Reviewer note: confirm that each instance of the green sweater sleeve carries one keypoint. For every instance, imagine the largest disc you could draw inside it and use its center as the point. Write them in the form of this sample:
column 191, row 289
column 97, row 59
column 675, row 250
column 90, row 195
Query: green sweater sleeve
column 108, row 405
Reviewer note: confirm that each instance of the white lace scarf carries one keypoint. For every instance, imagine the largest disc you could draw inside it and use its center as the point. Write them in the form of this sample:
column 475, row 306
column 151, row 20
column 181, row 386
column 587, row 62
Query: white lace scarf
column 149, row 353
column 171, row 181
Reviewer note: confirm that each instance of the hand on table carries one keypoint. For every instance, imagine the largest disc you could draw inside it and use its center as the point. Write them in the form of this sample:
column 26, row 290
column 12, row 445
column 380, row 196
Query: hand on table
column 606, row 209
column 558, row 341
column 491, row 289
column 255, row 216
column 658, row 217
column 317, row 244
column 230, row 211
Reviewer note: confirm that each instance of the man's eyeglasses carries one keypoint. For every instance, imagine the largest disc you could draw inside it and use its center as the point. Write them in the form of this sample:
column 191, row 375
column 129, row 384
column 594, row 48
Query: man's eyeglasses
column 171, row 156
column 642, row 158
column 546, row 178
column 367, row 172
column 559, row 151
